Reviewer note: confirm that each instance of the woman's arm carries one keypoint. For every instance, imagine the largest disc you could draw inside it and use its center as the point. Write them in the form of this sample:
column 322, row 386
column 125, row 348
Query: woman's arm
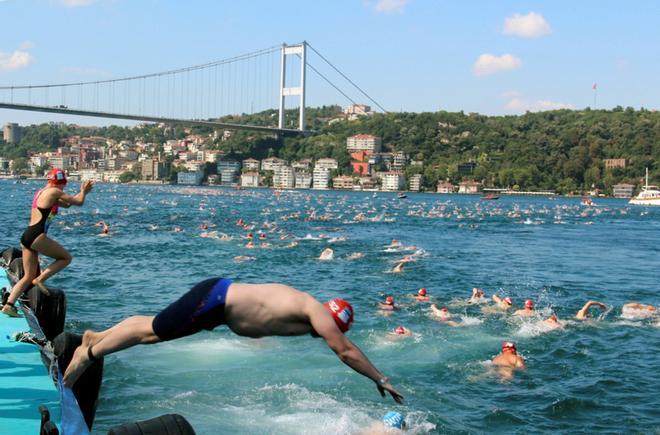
column 78, row 199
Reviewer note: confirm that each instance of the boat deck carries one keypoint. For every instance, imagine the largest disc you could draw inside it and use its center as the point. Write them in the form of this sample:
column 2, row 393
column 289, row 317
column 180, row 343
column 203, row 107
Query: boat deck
column 24, row 381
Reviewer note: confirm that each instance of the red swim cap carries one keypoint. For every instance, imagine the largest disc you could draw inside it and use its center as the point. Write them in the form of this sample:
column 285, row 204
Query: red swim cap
column 529, row 303
column 508, row 300
column 445, row 309
column 422, row 292
column 342, row 312
column 56, row 176
column 400, row 330
column 508, row 346
column 389, row 300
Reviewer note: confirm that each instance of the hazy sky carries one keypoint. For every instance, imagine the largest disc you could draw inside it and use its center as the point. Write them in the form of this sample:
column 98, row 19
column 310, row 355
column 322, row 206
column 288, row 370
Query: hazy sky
column 492, row 57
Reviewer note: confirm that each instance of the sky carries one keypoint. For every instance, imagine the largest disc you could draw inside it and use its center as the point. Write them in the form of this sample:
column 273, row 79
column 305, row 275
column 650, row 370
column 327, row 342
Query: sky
column 492, row 57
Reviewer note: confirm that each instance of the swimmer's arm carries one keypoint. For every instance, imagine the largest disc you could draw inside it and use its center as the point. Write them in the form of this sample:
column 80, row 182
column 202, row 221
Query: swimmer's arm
column 497, row 299
column 584, row 311
column 62, row 203
column 79, row 198
column 346, row 351
column 520, row 364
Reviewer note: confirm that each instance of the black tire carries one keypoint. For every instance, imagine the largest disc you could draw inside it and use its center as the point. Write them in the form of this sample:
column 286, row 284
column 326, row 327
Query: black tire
column 9, row 255
column 170, row 424
column 88, row 385
column 50, row 310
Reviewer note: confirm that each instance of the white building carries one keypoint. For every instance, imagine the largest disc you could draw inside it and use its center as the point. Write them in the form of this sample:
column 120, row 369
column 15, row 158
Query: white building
column 194, row 166
column 250, row 179
column 468, row 186
column 342, row 182
column 193, row 178
column 303, row 180
column 445, row 187
column 111, row 176
column 283, row 178
column 399, row 160
column 91, row 175
column 302, row 165
column 272, row 163
column 363, row 142
column 251, row 164
column 320, row 178
column 326, row 163
column 392, row 180
column 357, row 109
column 416, row 182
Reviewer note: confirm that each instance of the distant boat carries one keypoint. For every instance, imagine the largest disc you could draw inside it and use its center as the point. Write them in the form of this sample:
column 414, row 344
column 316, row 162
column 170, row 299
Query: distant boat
column 650, row 195
column 490, row 197
column 401, row 195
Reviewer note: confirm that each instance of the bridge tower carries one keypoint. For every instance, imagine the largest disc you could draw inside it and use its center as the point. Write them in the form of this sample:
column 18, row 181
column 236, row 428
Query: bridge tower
column 285, row 91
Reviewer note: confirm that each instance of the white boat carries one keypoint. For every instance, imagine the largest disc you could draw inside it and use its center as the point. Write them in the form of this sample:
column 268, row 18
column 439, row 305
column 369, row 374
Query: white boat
column 650, row 195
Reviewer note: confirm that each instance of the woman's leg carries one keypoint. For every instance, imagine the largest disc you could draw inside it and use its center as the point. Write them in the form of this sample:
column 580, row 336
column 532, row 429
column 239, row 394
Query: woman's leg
column 52, row 249
column 30, row 268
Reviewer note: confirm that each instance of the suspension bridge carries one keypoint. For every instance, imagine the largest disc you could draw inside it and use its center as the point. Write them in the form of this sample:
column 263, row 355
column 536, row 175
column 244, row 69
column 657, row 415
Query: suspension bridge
column 211, row 94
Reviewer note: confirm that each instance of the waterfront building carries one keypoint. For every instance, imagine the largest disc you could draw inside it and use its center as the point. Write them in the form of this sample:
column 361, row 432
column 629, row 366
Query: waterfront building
column 250, row 179
column 153, row 170
column 194, row 166
column 469, row 186
column 342, row 182
column 392, row 180
column 192, row 178
column 114, row 163
column 228, row 165
column 283, row 178
column 615, row 163
column 111, row 176
column 367, row 183
column 12, row 133
column 445, row 187
column 327, row 163
column 416, row 182
column 251, row 164
column 303, row 180
column 399, row 160
column 320, row 178
column 623, row 190
column 302, row 165
column 272, row 163
column 90, row 175
column 363, row 142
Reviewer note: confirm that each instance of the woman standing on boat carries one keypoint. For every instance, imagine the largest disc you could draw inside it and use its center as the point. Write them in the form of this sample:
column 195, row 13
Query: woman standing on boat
column 34, row 240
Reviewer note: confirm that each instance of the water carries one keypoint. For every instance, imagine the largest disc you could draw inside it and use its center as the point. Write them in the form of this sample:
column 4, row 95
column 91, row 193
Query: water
column 600, row 375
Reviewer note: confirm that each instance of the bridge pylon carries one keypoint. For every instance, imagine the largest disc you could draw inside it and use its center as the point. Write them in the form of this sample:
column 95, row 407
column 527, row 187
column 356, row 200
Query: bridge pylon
column 299, row 50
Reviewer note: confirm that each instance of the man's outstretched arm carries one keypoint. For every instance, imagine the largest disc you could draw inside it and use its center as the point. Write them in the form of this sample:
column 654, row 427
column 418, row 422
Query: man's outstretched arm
column 351, row 355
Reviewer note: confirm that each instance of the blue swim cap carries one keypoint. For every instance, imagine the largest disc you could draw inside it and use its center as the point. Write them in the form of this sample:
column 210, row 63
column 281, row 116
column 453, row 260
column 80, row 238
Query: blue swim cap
column 394, row 419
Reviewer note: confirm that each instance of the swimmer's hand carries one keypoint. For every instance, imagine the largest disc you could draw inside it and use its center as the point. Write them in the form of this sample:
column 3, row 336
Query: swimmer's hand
column 386, row 386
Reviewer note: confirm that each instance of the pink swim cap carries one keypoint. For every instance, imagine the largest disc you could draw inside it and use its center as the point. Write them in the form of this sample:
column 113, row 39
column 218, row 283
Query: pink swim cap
column 509, row 346
column 422, row 292
column 400, row 330
column 508, row 300
column 529, row 303
column 389, row 300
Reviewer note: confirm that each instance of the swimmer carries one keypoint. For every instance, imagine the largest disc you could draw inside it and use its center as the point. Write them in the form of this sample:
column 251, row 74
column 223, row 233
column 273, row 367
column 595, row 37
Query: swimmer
column 527, row 311
column 249, row 310
column 327, row 254
column 355, row 256
column 394, row 244
column 244, row 258
column 398, row 268
column 35, row 241
column 392, row 422
column 638, row 311
column 502, row 303
column 106, row 229
column 443, row 315
column 249, row 245
column 477, row 297
column 508, row 360
column 421, row 295
column 401, row 331
column 388, row 305
column 552, row 322
column 584, row 311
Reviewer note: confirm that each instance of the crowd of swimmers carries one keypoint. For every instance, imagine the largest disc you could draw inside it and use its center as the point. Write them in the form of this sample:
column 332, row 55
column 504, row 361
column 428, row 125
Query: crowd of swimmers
column 251, row 309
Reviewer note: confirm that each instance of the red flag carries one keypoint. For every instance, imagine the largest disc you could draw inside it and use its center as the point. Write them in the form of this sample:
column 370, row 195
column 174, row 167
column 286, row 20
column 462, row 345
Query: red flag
column 595, row 86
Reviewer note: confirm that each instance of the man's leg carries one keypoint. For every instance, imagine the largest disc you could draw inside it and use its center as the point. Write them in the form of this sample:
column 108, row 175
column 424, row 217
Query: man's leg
column 129, row 332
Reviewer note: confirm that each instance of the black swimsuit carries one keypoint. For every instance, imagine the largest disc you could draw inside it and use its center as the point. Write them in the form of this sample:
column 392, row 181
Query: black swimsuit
column 41, row 227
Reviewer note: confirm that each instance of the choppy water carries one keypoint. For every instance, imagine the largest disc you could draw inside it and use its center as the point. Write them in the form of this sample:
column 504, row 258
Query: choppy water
column 600, row 375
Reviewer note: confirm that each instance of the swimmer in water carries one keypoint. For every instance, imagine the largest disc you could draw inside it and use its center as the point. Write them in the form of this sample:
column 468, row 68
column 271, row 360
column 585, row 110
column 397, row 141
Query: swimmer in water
column 422, row 295
column 392, row 422
column 355, row 256
column 552, row 322
column 477, row 297
column 388, row 305
column 249, row 310
column 327, row 254
column 443, row 315
column 508, row 360
column 244, row 258
column 527, row 311
column 106, row 229
column 35, row 240
column 637, row 310
column 401, row 331
column 502, row 303
column 584, row 311
column 398, row 268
